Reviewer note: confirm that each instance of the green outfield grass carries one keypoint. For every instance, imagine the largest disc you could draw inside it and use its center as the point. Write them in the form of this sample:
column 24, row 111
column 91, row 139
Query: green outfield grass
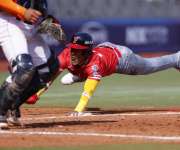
column 119, row 91
column 110, row 147
column 156, row 90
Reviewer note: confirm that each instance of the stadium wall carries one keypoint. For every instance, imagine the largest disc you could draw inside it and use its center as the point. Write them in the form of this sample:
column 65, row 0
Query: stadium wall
column 141, row 35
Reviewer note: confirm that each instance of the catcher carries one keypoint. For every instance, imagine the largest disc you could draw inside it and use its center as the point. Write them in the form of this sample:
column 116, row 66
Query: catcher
column 89, row 64
column 32, row 62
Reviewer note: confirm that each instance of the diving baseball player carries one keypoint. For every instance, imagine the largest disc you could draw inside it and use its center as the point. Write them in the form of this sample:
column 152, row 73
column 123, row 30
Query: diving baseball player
column 89, row 64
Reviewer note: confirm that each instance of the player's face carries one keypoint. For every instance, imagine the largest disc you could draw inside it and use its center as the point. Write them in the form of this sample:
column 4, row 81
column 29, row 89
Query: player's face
column 77, row 57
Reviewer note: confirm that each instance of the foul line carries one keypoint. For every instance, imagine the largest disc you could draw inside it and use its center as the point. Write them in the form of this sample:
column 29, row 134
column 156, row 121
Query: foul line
column 104, row 115
column 117, row 136
column 124, row 136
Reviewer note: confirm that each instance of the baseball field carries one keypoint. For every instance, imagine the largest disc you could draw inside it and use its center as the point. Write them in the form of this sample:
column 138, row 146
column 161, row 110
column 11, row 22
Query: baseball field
column 127, row 112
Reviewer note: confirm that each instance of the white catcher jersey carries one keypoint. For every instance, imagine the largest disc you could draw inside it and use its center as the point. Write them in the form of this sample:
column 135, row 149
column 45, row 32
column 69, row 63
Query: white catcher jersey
column 16, row 38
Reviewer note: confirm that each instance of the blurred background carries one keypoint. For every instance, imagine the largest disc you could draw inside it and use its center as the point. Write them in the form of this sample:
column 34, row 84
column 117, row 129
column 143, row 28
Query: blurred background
column 145, row 26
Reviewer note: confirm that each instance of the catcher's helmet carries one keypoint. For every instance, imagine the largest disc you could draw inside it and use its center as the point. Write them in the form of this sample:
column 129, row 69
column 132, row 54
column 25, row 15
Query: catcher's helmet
column 80, row 43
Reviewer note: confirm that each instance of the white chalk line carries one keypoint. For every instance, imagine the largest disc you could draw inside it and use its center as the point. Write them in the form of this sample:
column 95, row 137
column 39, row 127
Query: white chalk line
column 104, row 115
column 120, row 136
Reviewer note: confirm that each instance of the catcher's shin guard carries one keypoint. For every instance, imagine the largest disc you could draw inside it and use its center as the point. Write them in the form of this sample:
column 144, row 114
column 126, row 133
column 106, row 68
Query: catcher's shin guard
column 21, row 77
column 33, row 87
column 39, row 82
column 14, row 112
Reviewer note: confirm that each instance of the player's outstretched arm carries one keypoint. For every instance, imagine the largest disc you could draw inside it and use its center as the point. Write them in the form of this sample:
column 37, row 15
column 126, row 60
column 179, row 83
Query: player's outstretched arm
column 13, row 8
column 89, row 88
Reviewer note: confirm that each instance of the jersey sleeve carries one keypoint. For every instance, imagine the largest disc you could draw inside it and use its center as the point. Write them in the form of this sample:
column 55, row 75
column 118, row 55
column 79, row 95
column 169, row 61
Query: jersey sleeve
column 12, row 8
column 95, row 69
column 94, row 72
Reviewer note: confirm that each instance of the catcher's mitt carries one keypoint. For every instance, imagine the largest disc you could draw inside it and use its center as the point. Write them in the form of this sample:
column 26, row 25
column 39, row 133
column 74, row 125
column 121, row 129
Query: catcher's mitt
column 49, row 25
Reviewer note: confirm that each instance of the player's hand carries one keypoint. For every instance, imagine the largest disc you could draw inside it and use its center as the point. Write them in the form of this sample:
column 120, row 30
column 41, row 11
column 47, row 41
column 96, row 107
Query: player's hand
column 79, row 114
column 32, row 15
column 75, row 114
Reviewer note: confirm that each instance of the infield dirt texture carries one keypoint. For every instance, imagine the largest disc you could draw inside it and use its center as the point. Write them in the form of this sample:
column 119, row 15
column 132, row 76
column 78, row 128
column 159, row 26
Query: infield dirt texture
column 125, row 110
column 52, row 127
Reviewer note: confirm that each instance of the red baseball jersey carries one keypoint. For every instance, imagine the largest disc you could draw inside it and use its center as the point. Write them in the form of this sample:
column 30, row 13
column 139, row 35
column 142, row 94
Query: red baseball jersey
column 102, row 62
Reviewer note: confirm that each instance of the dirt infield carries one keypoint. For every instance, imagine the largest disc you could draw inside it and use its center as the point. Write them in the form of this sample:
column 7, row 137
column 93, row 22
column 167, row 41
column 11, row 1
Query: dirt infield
column 53, row 127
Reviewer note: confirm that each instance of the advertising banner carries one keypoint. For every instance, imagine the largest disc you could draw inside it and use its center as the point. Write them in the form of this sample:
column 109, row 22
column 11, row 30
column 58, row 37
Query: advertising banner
column 142, row 35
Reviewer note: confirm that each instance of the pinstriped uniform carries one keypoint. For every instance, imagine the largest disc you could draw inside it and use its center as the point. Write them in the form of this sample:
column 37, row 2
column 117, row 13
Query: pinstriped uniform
column 16, row 38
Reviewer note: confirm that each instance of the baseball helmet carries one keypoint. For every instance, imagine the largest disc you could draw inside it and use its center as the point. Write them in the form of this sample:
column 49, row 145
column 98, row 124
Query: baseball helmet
column 81, row 48
column 81, row 41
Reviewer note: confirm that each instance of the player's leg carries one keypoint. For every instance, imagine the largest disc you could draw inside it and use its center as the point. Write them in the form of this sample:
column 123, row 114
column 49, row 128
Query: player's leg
column 46, row 64
column 21, row 77
column 16, row 52
column 36, row 48
column 133, row 64
column 38, row 83
column 150, row 65
column 14, row 113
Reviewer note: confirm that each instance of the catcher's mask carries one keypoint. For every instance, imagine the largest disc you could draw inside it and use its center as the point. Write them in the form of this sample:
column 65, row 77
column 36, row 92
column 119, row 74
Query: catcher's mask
column 81, row 48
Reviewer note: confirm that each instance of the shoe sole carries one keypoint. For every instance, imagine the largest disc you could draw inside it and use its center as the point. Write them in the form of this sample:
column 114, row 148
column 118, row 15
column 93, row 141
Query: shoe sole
column 4, row 126
column 13, row 123
column 10, row 124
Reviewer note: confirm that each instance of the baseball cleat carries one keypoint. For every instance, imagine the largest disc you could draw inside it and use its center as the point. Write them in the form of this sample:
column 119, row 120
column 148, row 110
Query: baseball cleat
column 13, row 119
column 4, row 126
column 3, row 123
